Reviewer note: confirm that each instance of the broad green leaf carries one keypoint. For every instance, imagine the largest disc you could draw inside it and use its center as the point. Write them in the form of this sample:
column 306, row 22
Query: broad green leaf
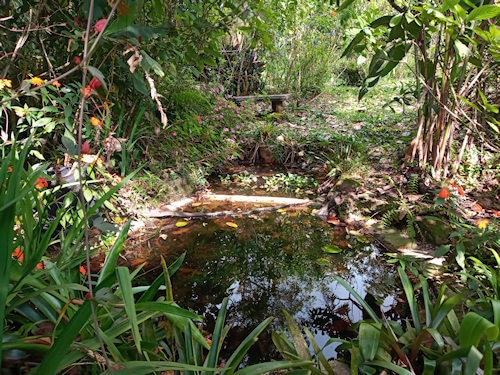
column 396, row 20
column 473, row 361
column 344, row 5
column 484, row 12
column 98, row 74
column 297, row 337
column 496, row 311
column 462, row 50
column 448, row 4
column 149, row 63
column 323, row 261
column 474, row 327
column 369, row 339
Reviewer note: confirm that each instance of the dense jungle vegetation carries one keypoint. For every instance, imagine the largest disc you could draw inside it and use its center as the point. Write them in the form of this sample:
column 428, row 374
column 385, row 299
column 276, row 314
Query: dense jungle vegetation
column 106, row 100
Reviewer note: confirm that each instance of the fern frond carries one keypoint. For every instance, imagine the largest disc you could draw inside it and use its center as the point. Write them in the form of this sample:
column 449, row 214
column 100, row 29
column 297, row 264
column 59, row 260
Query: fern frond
column 413, row 184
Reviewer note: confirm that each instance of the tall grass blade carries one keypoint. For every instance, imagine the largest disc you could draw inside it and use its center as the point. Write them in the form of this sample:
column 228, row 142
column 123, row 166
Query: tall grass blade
column 153, row 289
column 125, row 284
column 410, row 296
column 151, row 367
column 393, row 367
column 10, row 193
column 237, row 357
column 267, row 367
column 358, row 298
column 51, row 363
column 217, row 338
column 110, row 264
column 320, row 356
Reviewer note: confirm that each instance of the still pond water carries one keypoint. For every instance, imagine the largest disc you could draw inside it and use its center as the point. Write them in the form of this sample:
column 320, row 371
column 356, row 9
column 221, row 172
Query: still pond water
column 273, row 262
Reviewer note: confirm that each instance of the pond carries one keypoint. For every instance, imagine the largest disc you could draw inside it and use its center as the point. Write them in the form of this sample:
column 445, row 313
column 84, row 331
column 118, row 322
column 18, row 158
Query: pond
column 274, row 261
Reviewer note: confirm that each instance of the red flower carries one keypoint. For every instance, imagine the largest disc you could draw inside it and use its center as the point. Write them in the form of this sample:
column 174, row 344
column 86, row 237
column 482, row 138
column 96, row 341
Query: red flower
column 83, row 270
column 444, row 193
column 77, row 60
column 18, row 254
column 40, row 266
column 41, row 183
column 95, row 83
column 85, row 147
column 100, row 25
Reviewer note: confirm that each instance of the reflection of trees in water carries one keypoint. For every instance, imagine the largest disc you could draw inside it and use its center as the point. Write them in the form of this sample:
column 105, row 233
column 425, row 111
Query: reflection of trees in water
column 269, row 264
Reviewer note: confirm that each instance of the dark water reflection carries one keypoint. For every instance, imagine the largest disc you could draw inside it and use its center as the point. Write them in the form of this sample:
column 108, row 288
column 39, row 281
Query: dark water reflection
column 275, row 262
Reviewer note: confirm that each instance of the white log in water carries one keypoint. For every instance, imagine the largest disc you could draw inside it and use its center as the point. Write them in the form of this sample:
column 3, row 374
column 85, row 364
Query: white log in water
column 175, row 209
column 255, row 199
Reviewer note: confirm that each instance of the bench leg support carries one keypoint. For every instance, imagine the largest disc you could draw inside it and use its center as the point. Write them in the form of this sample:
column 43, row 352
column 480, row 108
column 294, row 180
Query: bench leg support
column 277, row 106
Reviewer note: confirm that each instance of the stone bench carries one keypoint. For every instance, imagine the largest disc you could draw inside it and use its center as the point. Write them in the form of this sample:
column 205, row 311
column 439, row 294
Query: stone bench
column 276, row 100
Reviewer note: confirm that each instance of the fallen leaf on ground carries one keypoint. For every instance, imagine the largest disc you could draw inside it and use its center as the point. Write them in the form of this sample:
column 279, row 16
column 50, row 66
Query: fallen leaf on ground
column 231, row 224
column 181, row 224
column 332, row 249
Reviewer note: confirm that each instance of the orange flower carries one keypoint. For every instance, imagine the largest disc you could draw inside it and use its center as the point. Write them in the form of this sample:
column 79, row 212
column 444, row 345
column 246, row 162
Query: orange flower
column 37, row 81
column 333, row 13
column 56, row 84
column 483, row 223
column 96, row 122
column 83, row 270
column 40, row 266
column 444, row 193
column 496, row 213
column 41, row 183
column 9, row 169
column 18, row 254
column 5, row 83
column 87, row 91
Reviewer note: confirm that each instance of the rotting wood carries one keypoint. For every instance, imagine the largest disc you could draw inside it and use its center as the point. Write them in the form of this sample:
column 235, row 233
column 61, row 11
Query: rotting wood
column 282, row 201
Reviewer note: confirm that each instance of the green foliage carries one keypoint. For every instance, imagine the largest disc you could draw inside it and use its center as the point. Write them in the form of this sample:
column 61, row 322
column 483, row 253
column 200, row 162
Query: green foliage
column 434, row 341
column 451, row 43
column 289, row 182
column 306, row 42
column 294, row 347
column 245, row 179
